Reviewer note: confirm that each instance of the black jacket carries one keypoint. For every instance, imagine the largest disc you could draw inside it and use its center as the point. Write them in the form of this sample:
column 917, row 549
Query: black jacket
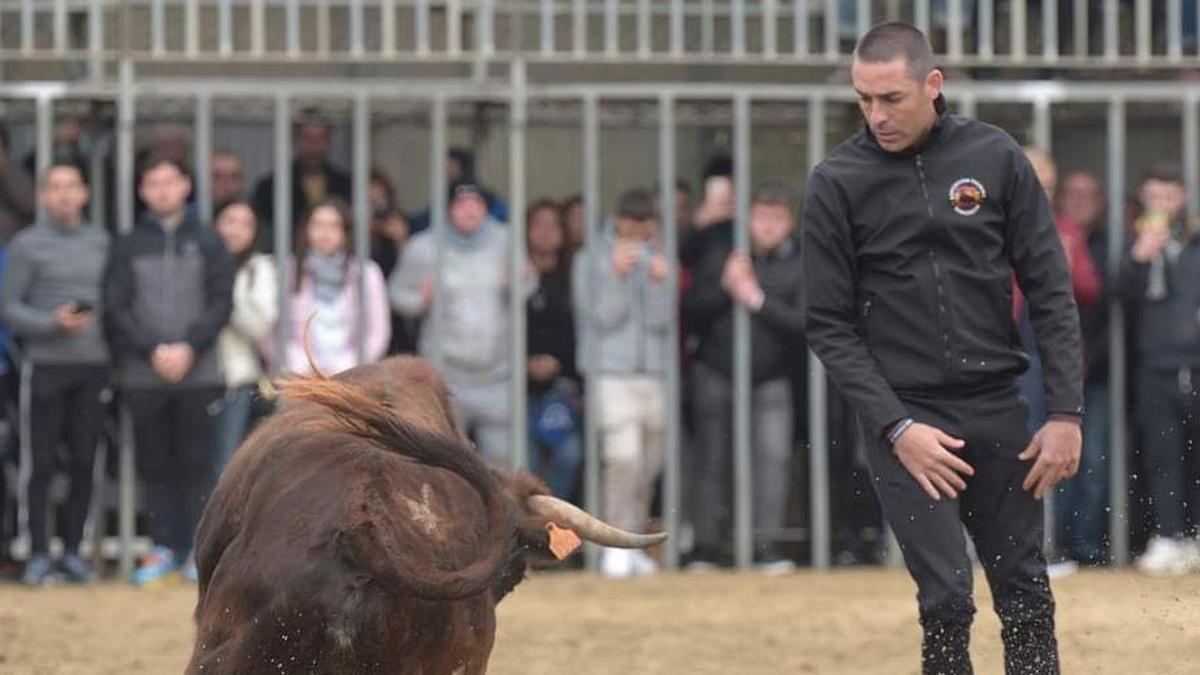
column 909, row 260
column 338, row 184
column 550, row 326
column 1168, row 328
column 776, row 329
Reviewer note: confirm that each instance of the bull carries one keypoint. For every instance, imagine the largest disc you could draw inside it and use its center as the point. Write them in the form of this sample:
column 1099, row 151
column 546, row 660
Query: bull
column 357, row 531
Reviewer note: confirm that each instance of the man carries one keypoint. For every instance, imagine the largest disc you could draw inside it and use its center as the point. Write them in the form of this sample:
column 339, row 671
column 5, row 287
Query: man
column 313, row 179
column 912, row 231
column 51, row 301
column 228, row 179
column 1160, row 280
column 768, row 285
column 168, row 291
column 619, row 284
column 16, row 193
column 470, row 342
column 460, row 169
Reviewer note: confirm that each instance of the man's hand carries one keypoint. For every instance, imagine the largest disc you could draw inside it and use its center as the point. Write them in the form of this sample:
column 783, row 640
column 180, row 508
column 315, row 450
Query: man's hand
column 1149, row 244
column 659, row 267
column 427, row 289
column 1056, row 446
column 925, row 452
column 625, row 257
column 71, row 321
column 543, row 367
column 173, row 361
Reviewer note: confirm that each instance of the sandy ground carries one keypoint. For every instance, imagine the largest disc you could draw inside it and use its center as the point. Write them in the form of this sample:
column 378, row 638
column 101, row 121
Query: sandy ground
column 844, row 622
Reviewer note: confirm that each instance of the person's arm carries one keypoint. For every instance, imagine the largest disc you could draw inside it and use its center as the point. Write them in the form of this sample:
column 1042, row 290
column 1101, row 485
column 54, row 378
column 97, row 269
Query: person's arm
column 705, row 298
column 830, row 318
column 378, row 314
column 611, row 294
column 256, row 301
column 411, row 273
column 1085, row 278
column 1036, row 254
column 783, row 311
column 120, row 291
column 218, row 298
column 24, row 320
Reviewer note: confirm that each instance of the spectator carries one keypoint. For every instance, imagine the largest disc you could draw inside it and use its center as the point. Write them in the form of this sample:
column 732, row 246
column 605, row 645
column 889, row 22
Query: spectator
column 712, row 226
column 324, row 300
column 767, row 284
column 555, row 448
column 170, row 141
column 51, row 301
column 389, row 226
column 460, row 169
column 16, row 193
column 622, row 279
column 314, row 179
column 683, row 208
column 228, row 179
column 255, row 310
column 575, row 219
column 168, row 294
column 1160, row 279
column 1081, row 509
column 470, row 340
column 67, row 148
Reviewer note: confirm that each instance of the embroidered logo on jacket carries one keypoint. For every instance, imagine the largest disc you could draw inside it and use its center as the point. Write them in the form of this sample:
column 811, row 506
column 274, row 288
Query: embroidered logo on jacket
column 966, row 196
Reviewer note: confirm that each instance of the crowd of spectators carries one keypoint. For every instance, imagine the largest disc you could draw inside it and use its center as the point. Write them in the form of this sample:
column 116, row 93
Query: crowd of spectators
column 179, row 317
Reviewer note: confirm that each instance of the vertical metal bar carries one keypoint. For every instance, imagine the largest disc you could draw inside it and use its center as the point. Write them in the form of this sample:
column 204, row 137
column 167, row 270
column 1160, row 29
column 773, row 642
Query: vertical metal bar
column 360, row 175
column 357, row 34
column 800, row 27
column 643, row 28
column 27, row 25
column 422, row 27
column 770, row 28
column 672, row 472
column 1016, row 29
column 862, row 16
column 292, row 21
column 203, row 152
column 485, row 21
column 1175, row 30
column 258, row 23
column 95, row 40
column 44, row 135
column 157, row 38
column 676, row 9
column 921, row 15
column 593, row 500
column 323, row 29
column 743, row 487
column 437, row 210
column 387, row 27
column 985, row 43
column 708, row 27
column 611, row 29
column 1080, row 19
column 1119, row 521
column 127, row 479
column 1112, row 35
column 283, row 224
column 1191, row 148
column 98, row 206
column 1042, row 125
column 1143, row 25
column 60, row 25
column 191, row 27
column 454, row 27
column 1050, row 46
column 737, row 28
column 579, row 22
column 518, row 343
column 547, row 26
column 966, row 105
column 225, row 19
column 954, row 29
column 818, row 418
column 831, row 29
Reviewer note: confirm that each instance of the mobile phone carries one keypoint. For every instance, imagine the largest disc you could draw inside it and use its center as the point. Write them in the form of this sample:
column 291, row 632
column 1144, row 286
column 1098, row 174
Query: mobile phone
column 83, row 306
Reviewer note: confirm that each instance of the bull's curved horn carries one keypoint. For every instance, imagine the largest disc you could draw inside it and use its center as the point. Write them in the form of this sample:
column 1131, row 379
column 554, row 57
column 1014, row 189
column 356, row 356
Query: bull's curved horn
column 588, row 526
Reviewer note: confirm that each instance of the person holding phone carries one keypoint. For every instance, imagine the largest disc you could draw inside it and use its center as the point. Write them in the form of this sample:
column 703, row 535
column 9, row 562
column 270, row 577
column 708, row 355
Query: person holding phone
column 51, row 301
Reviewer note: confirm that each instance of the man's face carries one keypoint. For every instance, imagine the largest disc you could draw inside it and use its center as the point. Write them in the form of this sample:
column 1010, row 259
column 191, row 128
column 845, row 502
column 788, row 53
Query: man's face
column 1160, row 196
column 770, row 224
column 636, row 230
column 468, row 213
column 897, row 107
column 228, row 178
column 312, row 144
column 64, row 195
column 165, row 190
column 1080, row 201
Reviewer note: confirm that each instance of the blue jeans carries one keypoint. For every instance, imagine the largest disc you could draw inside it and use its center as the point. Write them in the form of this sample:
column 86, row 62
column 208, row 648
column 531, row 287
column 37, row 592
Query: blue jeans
column 233, row 423
column 1081, row 510
column 558, row 464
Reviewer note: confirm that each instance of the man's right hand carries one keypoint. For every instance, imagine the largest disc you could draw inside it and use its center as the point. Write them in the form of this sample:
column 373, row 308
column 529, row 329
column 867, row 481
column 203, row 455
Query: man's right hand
column 926, row 452
column 625, row 257
column 69, row 320
column 1149, row 244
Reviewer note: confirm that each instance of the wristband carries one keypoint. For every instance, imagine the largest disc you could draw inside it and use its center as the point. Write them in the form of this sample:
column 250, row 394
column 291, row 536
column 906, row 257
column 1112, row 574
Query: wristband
column 898, row 430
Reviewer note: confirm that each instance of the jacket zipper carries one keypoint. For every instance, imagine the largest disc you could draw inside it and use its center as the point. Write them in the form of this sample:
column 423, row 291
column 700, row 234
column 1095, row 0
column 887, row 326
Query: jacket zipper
column 939, row 281
column 168, row 279
column 639, row 323
column 924, row 185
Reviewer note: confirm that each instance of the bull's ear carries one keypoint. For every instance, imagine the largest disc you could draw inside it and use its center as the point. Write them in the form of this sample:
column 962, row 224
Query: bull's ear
column 545, row 543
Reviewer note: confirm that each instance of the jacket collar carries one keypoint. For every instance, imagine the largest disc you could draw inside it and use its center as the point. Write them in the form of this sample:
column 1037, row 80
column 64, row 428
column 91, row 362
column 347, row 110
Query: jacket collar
column 935, row 133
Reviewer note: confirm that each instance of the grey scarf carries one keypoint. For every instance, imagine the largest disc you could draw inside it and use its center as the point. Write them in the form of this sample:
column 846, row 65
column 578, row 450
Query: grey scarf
column 329, row 275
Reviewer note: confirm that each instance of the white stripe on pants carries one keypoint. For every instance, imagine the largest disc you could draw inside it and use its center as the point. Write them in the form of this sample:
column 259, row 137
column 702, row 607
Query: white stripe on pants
column 631, row 420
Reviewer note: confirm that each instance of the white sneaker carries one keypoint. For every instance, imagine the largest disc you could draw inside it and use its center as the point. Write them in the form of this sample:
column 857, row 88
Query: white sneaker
column 777, row 568
column 1063, row 568
column 1169, row 557
column 617, row 563
column 643, row 564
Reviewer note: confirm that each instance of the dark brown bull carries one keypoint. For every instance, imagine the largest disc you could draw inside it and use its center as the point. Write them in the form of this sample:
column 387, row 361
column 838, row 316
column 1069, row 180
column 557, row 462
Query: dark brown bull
column 357, row 532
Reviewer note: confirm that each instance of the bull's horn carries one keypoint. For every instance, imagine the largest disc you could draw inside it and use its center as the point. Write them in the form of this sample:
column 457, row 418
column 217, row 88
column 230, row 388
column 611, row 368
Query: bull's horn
column 588, row 526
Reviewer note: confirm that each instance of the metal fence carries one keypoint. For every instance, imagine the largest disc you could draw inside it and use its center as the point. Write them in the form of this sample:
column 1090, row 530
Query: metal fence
column 1061, row 33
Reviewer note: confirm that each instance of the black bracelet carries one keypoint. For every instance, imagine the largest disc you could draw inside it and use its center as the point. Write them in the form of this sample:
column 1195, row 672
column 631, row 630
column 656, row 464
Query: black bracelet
column 898, row 430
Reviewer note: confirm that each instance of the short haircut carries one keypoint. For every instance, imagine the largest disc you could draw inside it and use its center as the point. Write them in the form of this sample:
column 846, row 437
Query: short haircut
column 543, row 205
column 156, row 160
column 774, row 193
column 897, row 40
column 1167, row 172
column 637, row 205
column 55, row 166
column 721, row 165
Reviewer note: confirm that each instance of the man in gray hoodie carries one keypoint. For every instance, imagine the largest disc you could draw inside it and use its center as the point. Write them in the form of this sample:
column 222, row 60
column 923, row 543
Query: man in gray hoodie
column 620, row 285
column 51, row 301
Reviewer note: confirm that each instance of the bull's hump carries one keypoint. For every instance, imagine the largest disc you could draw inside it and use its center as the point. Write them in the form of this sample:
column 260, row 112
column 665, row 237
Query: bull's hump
column 422, row 514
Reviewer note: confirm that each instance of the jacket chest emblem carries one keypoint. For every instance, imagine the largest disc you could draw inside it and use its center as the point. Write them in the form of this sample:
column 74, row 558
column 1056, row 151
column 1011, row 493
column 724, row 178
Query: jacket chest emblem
column 967, row 196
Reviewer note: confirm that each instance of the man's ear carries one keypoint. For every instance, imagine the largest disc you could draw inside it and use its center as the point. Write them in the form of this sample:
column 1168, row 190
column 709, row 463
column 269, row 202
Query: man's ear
column 934, row 82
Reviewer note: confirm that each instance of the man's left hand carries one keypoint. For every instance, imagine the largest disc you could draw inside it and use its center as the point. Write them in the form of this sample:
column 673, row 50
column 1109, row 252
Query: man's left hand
column 1056, row 447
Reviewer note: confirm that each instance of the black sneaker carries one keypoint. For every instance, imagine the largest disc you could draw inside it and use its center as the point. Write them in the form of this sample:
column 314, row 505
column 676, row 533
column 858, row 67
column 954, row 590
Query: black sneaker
column 76, row 569
column 37, row 570
column 702, row 559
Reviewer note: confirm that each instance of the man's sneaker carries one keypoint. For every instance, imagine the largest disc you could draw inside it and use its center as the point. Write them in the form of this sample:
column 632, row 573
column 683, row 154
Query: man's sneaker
column 76, row 569
column 777, row 567
column 1061, row 568
column 37, row 570
column 1169, row 557
column 617, row 563
column 703, row 558
column 155, row 568
column 643, row 564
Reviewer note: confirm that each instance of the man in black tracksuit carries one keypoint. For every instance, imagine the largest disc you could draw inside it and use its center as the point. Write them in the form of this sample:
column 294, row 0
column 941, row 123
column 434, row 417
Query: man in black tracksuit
column 913, row 229
column 168, row 290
